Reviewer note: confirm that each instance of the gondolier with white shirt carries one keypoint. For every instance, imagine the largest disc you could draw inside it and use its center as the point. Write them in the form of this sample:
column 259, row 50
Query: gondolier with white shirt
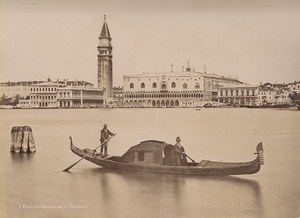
column 180, row 156
column 105, row 133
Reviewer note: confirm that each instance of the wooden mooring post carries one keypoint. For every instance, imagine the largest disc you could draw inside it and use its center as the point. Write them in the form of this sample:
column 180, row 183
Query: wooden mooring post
column 22, row 140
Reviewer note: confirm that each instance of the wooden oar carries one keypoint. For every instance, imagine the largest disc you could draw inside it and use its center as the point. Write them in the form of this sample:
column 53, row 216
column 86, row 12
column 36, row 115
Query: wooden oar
column 68, row 168
column 190, row 158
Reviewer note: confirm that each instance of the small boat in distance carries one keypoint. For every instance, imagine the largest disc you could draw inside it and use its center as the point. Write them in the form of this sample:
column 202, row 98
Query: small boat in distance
column 157, row 157
column 269, row 106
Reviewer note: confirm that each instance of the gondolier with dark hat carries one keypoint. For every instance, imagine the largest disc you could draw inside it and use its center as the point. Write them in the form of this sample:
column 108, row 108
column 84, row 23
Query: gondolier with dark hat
column 180, row 156
column 105, row 133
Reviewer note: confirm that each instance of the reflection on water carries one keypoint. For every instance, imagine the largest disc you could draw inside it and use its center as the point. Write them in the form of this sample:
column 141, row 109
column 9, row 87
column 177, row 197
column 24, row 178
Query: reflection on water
column 175, row 195
column 22, row 161
column 19, row 158
column 90, row 191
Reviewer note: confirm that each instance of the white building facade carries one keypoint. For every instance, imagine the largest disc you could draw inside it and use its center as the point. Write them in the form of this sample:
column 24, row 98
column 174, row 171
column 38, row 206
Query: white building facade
column 271, row 96
column 242, row 95
column 24, row 104
column 266, row 96
column 23, row 88
column 44, row 95
column 220, row 82
column 79, row 97
column 170, row 89
column 12, row 89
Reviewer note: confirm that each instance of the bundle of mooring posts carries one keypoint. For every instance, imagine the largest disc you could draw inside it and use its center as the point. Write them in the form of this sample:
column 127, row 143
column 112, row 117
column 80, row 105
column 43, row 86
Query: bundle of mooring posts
column 22, row 140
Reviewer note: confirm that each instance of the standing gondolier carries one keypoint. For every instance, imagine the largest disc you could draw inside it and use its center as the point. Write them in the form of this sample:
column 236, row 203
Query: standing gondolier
column 180, row 156
column 105, row 133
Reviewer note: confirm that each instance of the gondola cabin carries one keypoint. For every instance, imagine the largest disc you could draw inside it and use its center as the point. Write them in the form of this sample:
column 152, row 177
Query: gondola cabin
column 150, row 152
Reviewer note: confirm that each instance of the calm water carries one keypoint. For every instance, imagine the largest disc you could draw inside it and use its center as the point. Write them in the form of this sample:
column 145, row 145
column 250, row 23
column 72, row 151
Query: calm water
column 35, row 186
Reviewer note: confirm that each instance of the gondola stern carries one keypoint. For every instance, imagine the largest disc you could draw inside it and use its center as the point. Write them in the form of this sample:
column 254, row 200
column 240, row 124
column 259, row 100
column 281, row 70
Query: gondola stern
column 71, row 141
column 260, row 153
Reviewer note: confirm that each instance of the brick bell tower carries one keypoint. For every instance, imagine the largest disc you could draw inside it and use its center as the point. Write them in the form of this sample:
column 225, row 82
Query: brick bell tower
column 105, row 77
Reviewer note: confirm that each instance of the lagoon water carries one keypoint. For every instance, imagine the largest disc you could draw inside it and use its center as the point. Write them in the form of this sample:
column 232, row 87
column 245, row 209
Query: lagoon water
column 35, row 186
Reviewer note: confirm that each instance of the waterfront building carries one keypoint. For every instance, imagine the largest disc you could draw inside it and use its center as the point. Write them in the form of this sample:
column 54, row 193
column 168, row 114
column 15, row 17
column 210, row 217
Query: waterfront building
column 273, row 96
column 12, row 89
column 282, row 97
column 37, row 91
column 105, row 70
column 53, row 95
column 266, row 95
column 238, row 95
column 294, row 86
column 79, row 97
column 118, row 94
column 169, row 89
column 24, row 103
column 222, row 81
column 172, row 89
column 44, row 95
column 23, row 88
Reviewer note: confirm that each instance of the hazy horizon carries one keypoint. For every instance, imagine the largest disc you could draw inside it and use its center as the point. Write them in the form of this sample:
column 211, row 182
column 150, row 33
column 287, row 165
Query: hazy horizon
column 256, row 41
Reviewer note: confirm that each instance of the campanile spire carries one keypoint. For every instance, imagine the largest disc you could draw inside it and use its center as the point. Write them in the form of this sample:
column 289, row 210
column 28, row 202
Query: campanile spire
column 105, row 31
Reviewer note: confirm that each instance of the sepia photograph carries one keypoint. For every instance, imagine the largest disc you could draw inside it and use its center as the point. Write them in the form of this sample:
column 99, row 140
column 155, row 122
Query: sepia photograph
column 149, row 108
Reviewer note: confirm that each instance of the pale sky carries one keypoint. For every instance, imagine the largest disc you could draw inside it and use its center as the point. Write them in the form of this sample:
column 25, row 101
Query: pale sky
column 254, row 40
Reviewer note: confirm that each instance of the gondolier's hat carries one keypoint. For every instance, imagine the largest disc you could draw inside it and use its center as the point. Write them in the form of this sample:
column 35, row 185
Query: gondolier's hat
column 178, row 138
column 105, row 125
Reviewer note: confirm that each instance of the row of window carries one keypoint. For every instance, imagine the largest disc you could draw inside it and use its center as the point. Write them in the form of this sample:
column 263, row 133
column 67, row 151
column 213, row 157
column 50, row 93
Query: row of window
column 241, row 101
column 91, row 93
column 61, row 95
column 68, row 94
column 43, row 104
column 43, row 89
column 169, row 79
column 265, row 93
column 167, row 103
column 164, row 95
column 38, row 97
column 236, row 93
column 161, row 103
column 158, row 102
column 164, row 86
column 78, row 94
column 65, row 104
column 265, row 97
